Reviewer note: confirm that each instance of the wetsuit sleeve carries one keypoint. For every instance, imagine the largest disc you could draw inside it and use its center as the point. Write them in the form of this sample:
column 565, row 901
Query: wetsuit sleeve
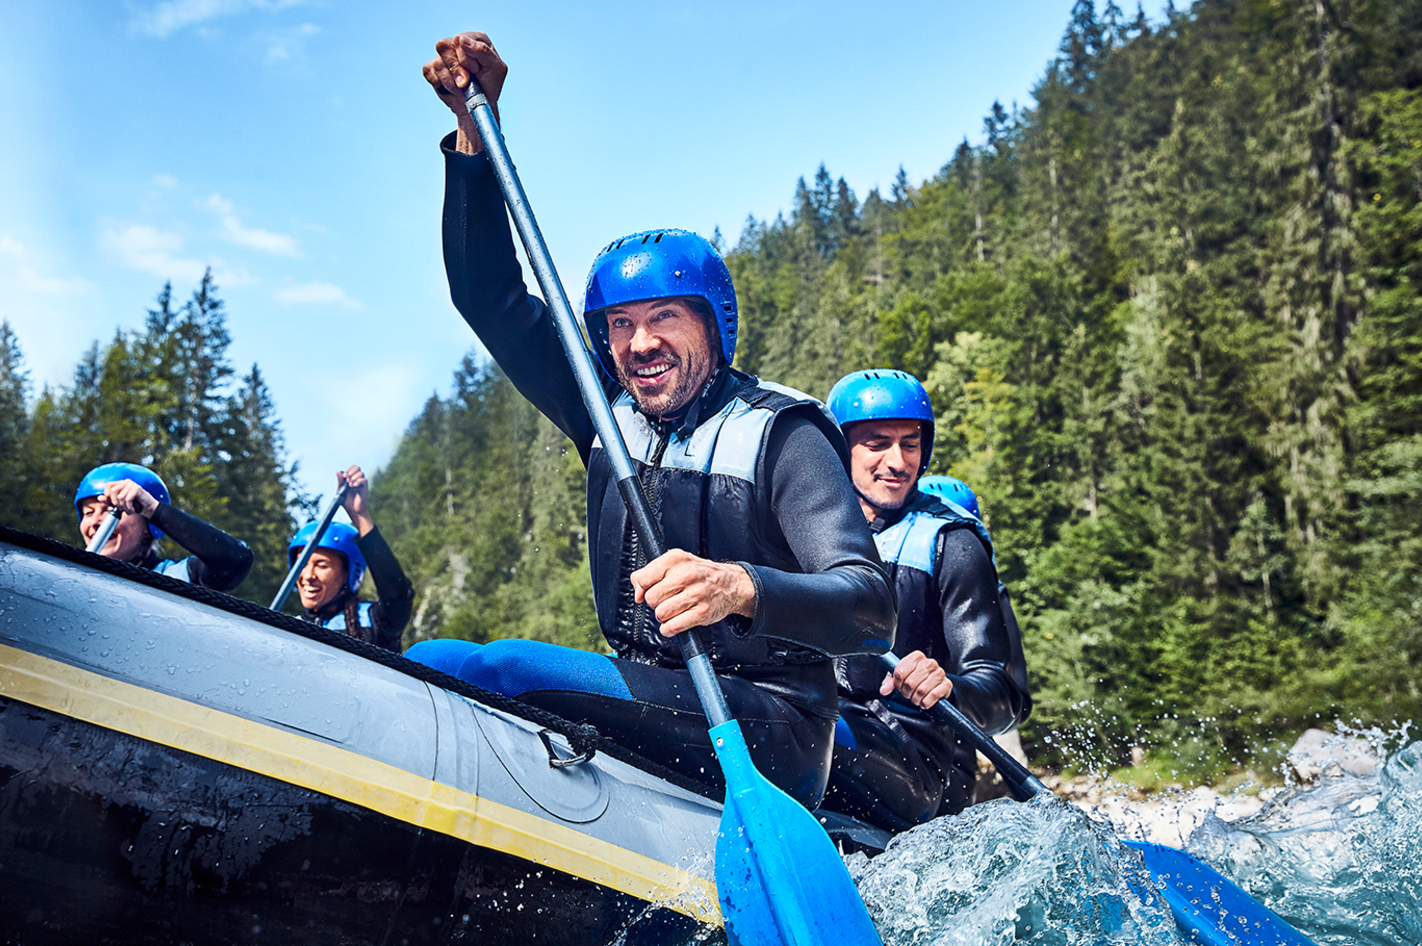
column 486, row 286
column 841, row 602
column 218, row 561
column 395, row 594
column 976, row 634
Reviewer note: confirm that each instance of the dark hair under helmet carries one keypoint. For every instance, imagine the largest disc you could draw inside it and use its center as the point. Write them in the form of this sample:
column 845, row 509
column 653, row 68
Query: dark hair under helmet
column 657, row 264
column 883, row 394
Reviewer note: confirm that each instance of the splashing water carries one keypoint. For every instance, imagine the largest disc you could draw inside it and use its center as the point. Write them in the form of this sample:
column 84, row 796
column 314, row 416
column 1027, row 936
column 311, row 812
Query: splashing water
column 1340, row 860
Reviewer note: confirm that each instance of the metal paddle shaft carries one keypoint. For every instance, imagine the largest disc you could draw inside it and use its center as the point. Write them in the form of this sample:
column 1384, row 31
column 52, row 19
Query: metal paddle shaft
column 1207, row 905
column 779, row 878
column 106, row 531
column 327, row 515
column 1021, row 782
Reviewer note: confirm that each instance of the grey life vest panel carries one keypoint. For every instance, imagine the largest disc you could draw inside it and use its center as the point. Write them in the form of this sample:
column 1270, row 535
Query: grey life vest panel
column 709, row 489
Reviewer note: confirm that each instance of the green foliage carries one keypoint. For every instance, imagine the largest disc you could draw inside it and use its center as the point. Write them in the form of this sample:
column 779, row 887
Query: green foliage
column 1169, row 317
column 161, row 397
column 14, row 425
column 483, row 504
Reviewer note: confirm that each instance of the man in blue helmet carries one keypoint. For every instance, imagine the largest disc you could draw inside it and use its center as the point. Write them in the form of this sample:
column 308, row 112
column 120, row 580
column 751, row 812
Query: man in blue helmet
column 329, row 581
column 894, row 765
column 217, row 561
column 748, row 480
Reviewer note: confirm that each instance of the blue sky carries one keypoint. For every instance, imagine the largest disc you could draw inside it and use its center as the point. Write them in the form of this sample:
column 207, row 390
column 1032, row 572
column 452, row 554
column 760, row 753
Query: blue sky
column 292, row 147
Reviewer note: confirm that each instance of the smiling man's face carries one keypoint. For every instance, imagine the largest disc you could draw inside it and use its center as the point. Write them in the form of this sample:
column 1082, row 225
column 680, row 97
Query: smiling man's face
column 884, row 461
column 663, row 353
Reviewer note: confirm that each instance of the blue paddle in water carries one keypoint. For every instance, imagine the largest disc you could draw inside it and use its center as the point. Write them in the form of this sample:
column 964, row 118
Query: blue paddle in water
column 779, row 878
column 1208, row 907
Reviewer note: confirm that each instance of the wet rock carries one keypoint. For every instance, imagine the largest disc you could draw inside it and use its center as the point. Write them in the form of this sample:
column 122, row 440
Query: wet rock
column 990, row 784
column 1317, row 751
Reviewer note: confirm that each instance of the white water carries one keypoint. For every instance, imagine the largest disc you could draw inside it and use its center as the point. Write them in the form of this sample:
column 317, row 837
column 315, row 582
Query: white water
column 1341, row 860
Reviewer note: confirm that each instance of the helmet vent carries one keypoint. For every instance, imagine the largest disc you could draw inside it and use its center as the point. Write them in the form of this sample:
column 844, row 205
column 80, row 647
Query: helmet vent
column 659, row 238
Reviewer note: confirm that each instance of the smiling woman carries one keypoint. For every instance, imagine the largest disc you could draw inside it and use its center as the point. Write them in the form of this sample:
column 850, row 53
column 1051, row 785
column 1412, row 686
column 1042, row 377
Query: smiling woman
column 328, row 582
column 141, row 498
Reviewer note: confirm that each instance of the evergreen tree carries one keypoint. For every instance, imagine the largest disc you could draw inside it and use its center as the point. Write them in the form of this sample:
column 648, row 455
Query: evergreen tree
column 162, row 397
column 257, row 485
column 14, row 423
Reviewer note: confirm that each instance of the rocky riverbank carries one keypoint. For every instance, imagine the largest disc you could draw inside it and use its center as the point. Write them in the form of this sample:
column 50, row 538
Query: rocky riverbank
column 1169, row 815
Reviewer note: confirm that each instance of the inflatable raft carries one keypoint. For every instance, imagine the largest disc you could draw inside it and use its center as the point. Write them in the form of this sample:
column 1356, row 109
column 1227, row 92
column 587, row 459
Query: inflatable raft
column 181, row 766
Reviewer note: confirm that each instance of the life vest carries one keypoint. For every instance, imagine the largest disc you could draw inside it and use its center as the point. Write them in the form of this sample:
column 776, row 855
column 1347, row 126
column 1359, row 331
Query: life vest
column 176, row 568
column 337, row 621
column 909, row 548
column 708, row 487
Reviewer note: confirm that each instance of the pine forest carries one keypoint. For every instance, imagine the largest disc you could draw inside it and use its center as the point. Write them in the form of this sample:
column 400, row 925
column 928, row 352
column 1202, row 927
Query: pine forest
column 1170, row 317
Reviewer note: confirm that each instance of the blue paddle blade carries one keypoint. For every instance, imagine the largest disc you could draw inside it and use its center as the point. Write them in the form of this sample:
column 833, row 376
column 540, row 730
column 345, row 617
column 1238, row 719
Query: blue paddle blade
column 779, row 877
column 1209, row 907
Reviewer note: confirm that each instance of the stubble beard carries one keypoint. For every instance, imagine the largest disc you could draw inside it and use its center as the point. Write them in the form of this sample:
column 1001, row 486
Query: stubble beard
column 691, row 374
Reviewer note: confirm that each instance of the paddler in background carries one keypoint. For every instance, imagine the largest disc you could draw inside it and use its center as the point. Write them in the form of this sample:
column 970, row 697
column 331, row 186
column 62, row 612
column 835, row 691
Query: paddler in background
column 895, row 766
column 329, row 582
column 960, row 497
column 770, row 554
column 218, row 561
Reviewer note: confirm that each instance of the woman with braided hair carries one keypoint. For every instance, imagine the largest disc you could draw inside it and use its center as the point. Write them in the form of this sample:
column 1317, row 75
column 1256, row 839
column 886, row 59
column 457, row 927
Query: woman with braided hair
column 327, row 584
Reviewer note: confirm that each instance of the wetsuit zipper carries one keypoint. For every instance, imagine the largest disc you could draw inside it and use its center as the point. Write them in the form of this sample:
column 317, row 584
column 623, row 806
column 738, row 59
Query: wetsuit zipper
column 639, row 615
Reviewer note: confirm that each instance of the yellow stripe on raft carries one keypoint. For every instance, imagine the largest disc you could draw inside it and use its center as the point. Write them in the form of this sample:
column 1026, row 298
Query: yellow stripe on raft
column 349, row 776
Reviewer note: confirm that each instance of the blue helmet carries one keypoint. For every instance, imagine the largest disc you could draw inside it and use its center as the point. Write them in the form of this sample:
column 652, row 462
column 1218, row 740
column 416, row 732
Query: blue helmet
column 338, row 537
column 883, row 394
column 952, row 489
column 657, row 264
column 96, row 479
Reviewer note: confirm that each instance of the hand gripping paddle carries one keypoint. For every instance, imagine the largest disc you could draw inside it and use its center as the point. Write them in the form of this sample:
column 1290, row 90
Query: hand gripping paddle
column 780, row 880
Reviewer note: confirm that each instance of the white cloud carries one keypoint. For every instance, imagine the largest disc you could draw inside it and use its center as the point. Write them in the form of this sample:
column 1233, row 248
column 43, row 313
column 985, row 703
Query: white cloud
column 252, row 237
column 315, row 293
column 165, row 181
column 289, row 44
column 22, row 272
column 168, row 17
column 150, row 250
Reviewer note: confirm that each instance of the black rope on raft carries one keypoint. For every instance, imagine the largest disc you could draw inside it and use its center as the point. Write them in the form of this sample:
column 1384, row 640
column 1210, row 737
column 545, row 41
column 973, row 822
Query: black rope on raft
column 585, row 740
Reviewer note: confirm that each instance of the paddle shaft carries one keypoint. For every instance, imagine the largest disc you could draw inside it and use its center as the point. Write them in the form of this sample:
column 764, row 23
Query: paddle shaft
column 708, row 688
column 1022, row 783
column 106, row 531
column 327, row 515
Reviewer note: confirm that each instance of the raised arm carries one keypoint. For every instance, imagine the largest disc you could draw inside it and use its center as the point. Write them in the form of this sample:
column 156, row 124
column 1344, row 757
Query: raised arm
column 485, row 281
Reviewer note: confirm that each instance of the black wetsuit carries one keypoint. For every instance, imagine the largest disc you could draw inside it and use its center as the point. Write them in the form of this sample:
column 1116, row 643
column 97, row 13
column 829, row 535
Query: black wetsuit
column 895, row 766
column 770, row 493
column 381, row 622
column 218, row 561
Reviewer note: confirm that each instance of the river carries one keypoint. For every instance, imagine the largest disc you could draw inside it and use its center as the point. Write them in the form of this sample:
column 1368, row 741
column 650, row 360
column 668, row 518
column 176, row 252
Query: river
column 1340, row 859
